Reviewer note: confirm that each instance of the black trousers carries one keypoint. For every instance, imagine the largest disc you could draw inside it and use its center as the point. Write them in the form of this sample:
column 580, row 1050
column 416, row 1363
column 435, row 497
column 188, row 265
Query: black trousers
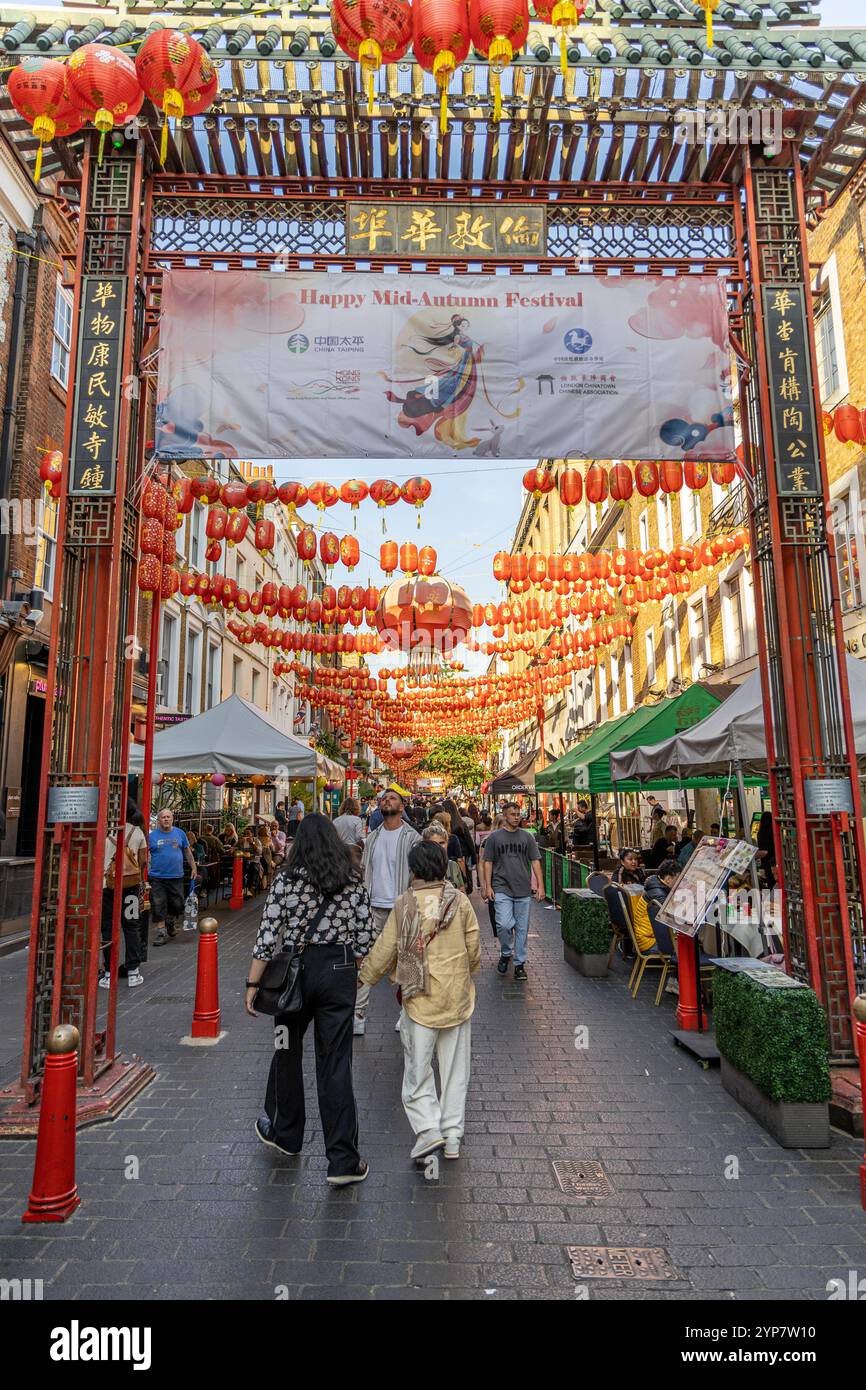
column 130, row 921
column 329, row 985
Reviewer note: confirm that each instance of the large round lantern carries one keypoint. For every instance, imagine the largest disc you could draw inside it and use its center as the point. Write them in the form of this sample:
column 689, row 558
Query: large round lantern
column 440, row 40
column 37, row 90
column 103, row 87
column 217, row 779
column 384, row 493
column 323, row 495
column 354, row 492
column 350, row 552
column 539, row 481
column 201, row 89
column 416, row 491
column 427, row 616
column 292, row 495
column 498, row 29
column 167, row 63
column 372, row 32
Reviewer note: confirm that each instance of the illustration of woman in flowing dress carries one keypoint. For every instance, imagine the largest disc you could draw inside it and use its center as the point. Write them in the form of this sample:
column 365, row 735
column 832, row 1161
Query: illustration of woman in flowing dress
column 449, row 390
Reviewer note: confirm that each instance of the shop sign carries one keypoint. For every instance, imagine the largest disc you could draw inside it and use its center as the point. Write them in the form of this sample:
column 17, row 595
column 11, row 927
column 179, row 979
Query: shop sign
column 97, row 398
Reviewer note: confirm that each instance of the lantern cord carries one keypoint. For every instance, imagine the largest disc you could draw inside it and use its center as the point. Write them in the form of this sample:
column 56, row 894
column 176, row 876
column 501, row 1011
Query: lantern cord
column 37, row 172
column 709, row 17
column 101, row 147
column 497, row 96
column 443, row 110
column 163, row 144
column 563, row 55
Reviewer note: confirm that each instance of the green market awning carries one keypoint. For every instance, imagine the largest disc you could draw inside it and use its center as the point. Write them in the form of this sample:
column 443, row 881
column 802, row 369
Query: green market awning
column 586, row 767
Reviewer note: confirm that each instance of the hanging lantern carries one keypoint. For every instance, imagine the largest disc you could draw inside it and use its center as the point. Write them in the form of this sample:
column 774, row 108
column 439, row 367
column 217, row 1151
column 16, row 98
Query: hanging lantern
column 169, row 582
column 409, row 558
column 570, row 488
column 103, row 87
column 671, row 475
column 596, row 484
column 292, row 495
column 498, row 29
column 149, row 574
column 539, row 481
column 236, row 527
column 167, row 63
column 388, row 556
column 696, row 473
column 150, row 541
column 372, row 33
column 350, row 552
column 169, row 549
column 213, row 551
column 415, row 492
column 38, row 91
column 723, row 473
column 233, row 495
column 709, row 8
column 621, row 482
column 181, row 491
column 646, row 477
column 51, row 472
column 323, row 495
column 848, row 425
column 354, row 492
column 264, row 536
column 440, row 41
column 207, row 489
column 217, row 521
column 427, row 560
column 260, row 491
column 202, row 87
column 307, row 545
column 329, row 549
column 502, row 566
column 563, row 15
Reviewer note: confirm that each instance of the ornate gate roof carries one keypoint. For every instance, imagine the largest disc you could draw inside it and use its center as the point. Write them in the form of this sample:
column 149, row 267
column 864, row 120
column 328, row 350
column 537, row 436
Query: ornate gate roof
column 291, row 104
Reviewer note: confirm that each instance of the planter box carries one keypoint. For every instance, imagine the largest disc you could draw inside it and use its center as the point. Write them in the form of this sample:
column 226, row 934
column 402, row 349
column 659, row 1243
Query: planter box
column 793, row 1125
column 594, row 967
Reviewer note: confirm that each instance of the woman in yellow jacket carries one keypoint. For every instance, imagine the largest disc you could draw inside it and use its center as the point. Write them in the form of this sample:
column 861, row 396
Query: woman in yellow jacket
column 430, row 946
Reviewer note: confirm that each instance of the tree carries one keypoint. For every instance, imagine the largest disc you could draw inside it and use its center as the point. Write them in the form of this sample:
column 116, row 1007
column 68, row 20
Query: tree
column 458, row 758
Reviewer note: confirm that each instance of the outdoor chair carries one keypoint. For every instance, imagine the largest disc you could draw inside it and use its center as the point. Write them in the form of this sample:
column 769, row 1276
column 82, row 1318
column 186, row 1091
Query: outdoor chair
column 665, row 945
column 619, row 920
column 645, row 960
column 596, row 883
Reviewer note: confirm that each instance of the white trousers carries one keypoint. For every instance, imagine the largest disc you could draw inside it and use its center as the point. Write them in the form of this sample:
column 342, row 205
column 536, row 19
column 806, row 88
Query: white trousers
column 362, row 999
column 425, row 1110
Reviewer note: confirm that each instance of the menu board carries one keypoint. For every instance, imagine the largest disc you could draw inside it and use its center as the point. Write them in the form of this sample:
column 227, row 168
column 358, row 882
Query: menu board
column 693, row 896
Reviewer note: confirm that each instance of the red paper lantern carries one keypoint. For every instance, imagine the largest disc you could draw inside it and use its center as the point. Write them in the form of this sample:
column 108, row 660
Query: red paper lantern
column 671, row 475
column 149, row 574
column 207, row 489
column 167, row 63
column 307, row 546
column 150, row 542
column 563, row 15
column 202, row 87
column 354, row 492
column 323, row 495
column 596, row 484
column 388, row 556
column 217, row 521
column 183, row 495
column 416, row 491
column 329, row 549
column 502, row 566
column 409, row 558
column 372, row 32
column 848, row 424
column 264, row 536
column 440, row 41
column 51, row 472
column 427, row 560
column 236, row 527
column 103, row 87
column 38, row 91
column 213, row 551
column 723, row 472
column 539, row 481
column 234, row 495
column 570, row 488
column 498, row 29
column 292, row 495
column 646, row 477
column 696, row 473
column 350, row 552
column 621, row 482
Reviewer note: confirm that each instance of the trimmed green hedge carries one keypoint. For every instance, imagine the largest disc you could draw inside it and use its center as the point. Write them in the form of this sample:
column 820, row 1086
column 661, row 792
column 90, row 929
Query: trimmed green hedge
column 776, row 1037
column 585, row 925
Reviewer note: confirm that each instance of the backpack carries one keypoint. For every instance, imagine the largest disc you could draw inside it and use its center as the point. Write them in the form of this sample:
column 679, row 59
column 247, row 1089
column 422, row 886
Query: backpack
column 131, row 871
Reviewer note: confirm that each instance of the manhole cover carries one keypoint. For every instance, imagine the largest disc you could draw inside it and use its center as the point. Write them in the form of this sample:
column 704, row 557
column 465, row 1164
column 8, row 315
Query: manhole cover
column 619, row 1262
column 582, row 1178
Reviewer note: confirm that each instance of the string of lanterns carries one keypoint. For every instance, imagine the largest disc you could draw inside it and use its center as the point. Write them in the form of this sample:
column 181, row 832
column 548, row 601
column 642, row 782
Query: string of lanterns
column 621, row 480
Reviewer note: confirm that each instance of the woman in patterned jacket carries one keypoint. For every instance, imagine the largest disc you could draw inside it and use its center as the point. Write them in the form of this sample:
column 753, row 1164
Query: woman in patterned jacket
column 318, row 902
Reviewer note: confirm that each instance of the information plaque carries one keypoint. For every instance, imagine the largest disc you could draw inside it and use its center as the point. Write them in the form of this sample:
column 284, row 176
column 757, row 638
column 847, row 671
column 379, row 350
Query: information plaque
column 73, row 805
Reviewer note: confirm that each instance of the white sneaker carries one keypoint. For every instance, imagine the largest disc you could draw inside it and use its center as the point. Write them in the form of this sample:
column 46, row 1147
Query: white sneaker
column 359, row 1027
column 105, row 982
column 397, row 1024
column 452, row 1147
column 134, row 978
column 426, row 1143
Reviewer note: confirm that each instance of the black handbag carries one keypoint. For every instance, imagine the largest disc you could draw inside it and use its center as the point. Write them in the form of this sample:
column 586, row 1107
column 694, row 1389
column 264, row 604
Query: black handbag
column 280, row 989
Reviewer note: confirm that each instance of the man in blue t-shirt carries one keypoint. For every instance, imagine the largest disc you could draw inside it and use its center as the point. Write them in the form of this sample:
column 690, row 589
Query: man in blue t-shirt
column 168, row 848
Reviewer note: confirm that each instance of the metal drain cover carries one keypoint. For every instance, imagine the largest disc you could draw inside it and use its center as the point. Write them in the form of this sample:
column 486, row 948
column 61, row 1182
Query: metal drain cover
column 619, row 1262
column 581, row 1177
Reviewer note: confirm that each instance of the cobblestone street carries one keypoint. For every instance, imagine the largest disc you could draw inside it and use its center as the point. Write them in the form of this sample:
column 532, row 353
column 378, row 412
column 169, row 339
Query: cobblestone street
column 215, row 1215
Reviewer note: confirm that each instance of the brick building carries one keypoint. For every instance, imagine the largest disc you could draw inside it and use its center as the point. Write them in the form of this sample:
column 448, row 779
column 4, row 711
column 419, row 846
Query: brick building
column 35, row 327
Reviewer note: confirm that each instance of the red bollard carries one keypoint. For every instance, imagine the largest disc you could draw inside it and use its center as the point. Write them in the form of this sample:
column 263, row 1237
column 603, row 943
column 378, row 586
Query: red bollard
column 237, row 898
column 687, row 979
column 860, row 1035
column 206, row 1015
column 54, row 1195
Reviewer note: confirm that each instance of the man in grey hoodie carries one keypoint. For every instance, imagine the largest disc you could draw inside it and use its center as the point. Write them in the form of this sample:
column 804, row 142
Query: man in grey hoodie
column 385, row 865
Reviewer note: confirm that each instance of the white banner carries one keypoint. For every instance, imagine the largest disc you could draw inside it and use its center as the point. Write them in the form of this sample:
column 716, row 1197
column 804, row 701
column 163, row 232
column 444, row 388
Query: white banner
column 269, row 365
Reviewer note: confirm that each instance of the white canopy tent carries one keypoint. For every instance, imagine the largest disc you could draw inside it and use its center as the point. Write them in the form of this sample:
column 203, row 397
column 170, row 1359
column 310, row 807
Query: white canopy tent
column 731, row 737
column 232, row 737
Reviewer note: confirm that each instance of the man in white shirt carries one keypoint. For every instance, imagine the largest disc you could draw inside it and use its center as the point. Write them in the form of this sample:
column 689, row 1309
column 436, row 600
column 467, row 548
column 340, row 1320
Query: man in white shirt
column 385, row 865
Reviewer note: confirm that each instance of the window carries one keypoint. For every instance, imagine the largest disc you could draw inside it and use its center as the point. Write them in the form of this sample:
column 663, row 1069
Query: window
column 236, row 675
column 168, row 658
column 46, row 546
column 690, row 513
column 212, row 686
column 602, row 694
column 736, row 616
column 698, row 653
column 629, row 677
column 62, row 335
column 615, row 686
column 663, row 518
column 255, row 686
column 844, row 511
column 650, row 654
column 192, row 675
column 830, row 335
column 197, row 537
column 670, row 636
column 643, row 530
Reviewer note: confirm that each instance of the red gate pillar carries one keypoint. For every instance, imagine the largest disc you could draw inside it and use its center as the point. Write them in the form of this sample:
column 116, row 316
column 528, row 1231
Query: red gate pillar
column 83, row 782
column 813, row 767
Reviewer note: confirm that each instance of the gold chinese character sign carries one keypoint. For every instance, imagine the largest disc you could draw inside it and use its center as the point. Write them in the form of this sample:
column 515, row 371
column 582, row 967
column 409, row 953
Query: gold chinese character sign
column 99, row 368
column 792, row 398
column 515, row 231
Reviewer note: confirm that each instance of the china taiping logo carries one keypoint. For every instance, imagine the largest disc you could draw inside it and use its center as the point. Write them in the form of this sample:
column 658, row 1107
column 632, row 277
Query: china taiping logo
column 297, row 343
column 578, row 341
